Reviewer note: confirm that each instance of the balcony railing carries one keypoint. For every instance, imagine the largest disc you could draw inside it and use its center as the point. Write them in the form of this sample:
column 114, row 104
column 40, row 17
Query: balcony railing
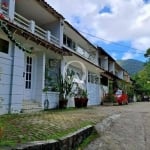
column 22, row 22
column 3, row 11
column 30, row 26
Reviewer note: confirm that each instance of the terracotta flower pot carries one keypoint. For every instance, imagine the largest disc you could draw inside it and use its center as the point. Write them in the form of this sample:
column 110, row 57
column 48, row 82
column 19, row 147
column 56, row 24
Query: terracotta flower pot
column 80, row 102
column 63, row 103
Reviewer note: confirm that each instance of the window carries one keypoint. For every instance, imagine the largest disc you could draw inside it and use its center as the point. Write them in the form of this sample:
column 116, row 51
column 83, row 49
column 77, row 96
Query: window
column 28, row 72
column 4, row 46
column 64, row 39
column 104, row 80
column 69, row 42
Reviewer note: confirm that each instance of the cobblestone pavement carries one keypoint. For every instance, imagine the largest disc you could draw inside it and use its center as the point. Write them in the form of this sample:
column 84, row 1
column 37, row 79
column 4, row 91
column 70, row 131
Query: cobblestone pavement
column 130, row 132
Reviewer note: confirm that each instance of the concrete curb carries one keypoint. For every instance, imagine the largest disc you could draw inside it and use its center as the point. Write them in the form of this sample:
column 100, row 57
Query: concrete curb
column 69, row 142
column 106, row 123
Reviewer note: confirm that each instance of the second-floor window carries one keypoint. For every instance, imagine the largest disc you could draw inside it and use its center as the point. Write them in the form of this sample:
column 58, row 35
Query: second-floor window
column 69, row 42
column 4, row 46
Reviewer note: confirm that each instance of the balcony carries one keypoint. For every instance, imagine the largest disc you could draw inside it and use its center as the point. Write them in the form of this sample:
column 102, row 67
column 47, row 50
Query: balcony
column 30, row 25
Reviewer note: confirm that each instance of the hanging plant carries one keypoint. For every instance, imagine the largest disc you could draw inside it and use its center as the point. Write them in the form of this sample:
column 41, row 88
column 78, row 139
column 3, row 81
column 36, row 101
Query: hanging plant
column 4, row 27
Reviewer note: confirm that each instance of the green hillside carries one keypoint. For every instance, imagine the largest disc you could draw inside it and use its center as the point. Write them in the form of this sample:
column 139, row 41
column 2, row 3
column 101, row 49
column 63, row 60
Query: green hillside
column 132, row 66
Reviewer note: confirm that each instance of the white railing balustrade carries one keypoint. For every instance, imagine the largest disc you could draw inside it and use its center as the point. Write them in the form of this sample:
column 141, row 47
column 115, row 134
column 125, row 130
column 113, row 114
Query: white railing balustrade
column 54, row 40
column 3, row 11
column 27, row 24
column 21, row 21
column 40, row 32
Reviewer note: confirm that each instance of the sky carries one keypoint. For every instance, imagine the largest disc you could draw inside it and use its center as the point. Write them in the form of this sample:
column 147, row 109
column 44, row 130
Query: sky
column 121, row 27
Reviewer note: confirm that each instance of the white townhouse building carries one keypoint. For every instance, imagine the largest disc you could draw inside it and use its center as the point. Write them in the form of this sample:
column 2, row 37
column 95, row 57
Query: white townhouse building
column 36, row 43
column 84, row 55
column 27, row 26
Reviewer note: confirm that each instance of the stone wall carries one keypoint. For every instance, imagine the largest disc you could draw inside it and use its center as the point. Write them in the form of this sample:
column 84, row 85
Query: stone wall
column 69, row 142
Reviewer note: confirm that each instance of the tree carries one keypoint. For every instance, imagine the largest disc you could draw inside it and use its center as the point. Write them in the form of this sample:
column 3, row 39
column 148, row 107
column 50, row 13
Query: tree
column 147, row 54
column 142, row 84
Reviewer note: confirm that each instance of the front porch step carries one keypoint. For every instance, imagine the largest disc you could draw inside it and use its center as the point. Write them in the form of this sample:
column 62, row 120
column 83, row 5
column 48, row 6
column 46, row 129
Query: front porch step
column 31, row 106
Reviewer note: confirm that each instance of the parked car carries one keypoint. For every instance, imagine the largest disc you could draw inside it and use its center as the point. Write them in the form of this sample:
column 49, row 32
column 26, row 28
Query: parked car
column 145, row 98
column 121, row 97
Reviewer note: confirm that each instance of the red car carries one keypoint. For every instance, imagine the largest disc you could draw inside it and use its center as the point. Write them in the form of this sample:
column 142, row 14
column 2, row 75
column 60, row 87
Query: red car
column 121, row 97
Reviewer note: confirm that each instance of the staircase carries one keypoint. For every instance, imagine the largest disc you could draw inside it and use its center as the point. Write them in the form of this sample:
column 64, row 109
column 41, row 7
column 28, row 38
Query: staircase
column 31, row 106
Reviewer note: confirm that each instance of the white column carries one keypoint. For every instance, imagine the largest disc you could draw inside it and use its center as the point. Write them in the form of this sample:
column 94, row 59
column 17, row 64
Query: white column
column 61, row 32
column 11, row 9
column 44, row 63
column 48, row 36
column 32, row 26
column 63, row 63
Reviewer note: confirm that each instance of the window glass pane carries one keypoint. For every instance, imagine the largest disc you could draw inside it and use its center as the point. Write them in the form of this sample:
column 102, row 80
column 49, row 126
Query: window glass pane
column 26, row 84
column 69, row 41
column 4, row 46
column 64, row 39
column 26, row 76
column 30, row 76
column 30, row 60
column 27, row 60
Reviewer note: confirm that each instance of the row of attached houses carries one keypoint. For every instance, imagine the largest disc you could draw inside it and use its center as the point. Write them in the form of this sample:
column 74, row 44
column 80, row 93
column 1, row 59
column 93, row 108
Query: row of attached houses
column 36, row 41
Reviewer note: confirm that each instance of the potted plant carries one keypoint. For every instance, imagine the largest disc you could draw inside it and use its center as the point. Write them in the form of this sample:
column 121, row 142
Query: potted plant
column 84, row 97
column 81, row 98
column 64, row 86
column 109, row 99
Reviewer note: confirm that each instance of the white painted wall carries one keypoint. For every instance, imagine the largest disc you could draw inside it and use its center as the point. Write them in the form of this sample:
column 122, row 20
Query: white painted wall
column 5, row 78
column 112, row 67
column 94, row 97
column 104, row 63
column 53, row 98
column 55, row 29
column 39, row 76
column 17, row 80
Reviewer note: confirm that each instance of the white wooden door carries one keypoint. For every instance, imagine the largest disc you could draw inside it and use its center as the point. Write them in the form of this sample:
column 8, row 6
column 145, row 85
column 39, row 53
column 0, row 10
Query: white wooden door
column 28, row 76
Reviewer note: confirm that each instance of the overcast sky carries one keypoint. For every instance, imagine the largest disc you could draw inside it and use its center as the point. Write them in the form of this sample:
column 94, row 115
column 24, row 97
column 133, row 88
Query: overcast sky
column 125, row 22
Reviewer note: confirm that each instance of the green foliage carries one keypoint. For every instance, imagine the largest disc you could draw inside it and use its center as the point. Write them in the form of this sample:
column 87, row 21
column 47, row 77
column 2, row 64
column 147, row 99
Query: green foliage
column 65, row 84
column 147, row 54
column 109, row 98
column 142, row 80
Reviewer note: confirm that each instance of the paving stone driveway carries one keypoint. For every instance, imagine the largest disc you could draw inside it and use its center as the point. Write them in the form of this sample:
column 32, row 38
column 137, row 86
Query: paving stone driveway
column 130, row 132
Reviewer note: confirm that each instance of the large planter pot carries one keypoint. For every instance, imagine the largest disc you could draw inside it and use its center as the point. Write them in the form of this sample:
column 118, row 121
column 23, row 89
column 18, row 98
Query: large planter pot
column 84, row 102
column 80, row 102
column 63, row 104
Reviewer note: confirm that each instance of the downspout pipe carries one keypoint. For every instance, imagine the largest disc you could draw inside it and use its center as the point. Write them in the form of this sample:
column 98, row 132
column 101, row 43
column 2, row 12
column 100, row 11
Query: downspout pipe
column 11, row 79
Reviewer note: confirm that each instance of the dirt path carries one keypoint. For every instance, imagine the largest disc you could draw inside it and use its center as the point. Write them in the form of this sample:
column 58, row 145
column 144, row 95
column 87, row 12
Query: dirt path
column 130, row 132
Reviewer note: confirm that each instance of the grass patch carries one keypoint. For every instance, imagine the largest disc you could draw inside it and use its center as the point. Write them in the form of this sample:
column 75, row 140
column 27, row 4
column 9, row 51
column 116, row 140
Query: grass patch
column 23, row 128
column 88, row 140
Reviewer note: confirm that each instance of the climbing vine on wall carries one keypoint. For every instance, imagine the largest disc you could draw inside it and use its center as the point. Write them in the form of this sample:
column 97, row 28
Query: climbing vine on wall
column 3, row 26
